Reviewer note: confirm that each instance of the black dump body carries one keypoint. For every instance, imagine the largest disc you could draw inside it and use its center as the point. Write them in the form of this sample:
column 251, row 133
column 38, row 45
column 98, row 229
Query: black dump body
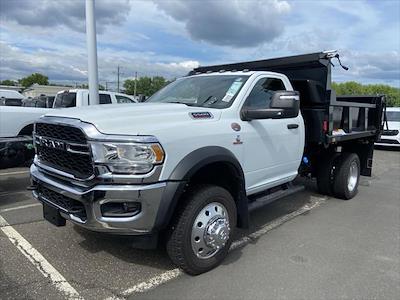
column 329, row 120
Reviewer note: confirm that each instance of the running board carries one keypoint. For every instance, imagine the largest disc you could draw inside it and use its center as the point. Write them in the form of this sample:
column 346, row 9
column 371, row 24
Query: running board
column 286, row 190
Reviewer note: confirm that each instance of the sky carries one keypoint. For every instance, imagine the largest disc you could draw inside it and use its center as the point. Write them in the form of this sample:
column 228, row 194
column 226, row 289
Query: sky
column 170, row 37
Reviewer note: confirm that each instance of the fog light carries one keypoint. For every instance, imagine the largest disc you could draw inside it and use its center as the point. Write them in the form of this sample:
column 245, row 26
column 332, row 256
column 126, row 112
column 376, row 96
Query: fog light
column 120, row 209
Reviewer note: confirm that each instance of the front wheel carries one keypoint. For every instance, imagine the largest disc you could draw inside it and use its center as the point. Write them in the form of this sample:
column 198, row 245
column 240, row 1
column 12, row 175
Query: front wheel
column 203, row 229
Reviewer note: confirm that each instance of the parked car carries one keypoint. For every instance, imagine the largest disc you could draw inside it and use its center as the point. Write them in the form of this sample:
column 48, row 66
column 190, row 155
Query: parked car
column 192, row 162
column 80, row 97
column 391, row 135
column 10, row 98
column 16, row 126
column 16, row 123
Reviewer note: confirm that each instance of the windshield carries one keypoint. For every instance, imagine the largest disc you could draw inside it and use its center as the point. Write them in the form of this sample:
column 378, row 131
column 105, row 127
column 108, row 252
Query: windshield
column 216, row 91
column 65, row 100
column 393, row 116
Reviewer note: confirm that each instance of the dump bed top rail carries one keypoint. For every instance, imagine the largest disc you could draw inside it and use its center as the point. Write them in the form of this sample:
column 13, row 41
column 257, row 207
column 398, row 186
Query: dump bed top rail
column 313, row 66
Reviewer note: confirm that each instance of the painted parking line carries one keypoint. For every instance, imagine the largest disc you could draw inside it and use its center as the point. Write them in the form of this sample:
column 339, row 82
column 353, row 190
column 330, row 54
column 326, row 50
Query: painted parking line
column 19, row 207
column 14, row 173
column 314, row 203
column 169, row 275
column 38, row 260
column 149, row 284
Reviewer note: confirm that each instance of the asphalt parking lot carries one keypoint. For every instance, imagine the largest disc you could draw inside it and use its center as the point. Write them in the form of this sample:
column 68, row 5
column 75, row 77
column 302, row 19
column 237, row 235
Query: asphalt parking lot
column 302, row 247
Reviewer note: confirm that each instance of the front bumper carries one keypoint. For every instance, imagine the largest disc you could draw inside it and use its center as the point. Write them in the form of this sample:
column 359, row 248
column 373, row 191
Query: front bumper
column 143, row 223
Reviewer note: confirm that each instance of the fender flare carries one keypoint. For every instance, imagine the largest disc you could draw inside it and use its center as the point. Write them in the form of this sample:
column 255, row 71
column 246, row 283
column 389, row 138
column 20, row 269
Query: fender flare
column 186, row 168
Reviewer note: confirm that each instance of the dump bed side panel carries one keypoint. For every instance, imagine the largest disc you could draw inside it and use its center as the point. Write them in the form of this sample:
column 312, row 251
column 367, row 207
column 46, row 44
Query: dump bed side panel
column 352, row 117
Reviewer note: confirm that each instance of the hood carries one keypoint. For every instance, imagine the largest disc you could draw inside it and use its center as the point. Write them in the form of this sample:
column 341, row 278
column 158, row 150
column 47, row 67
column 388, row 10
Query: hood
column 138, row 118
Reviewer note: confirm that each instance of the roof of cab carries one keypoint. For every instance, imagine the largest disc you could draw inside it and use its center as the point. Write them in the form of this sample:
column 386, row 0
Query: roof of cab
column 234, row 73
column 82, row 90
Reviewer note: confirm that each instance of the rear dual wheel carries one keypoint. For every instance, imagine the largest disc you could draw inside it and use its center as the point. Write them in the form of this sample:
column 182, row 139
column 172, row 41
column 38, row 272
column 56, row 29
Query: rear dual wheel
column 347, row 176
column 203, row 229
column 339, row 175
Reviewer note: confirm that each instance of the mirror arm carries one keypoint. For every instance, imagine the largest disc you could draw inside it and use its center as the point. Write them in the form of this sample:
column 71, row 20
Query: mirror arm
column 244, row 115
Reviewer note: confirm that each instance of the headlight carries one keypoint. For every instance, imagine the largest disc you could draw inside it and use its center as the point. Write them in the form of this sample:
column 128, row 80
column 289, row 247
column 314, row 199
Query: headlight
column 128, row 158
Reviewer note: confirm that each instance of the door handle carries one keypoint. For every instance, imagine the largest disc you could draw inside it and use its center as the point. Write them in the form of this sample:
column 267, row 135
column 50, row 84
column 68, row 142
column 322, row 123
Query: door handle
column 293, row 126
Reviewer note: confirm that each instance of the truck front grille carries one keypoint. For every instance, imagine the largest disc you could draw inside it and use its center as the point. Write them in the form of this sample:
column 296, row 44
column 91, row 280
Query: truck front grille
column 64, row 148
column 68, row 204
column 61, row 132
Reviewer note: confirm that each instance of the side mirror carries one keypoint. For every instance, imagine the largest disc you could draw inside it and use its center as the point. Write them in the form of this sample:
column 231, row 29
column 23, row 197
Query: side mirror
column 284, row 104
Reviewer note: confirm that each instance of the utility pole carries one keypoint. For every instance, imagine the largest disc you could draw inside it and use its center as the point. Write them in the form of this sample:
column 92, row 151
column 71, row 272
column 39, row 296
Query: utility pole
column 93, row 79
column 119, row 73
column 134, row 90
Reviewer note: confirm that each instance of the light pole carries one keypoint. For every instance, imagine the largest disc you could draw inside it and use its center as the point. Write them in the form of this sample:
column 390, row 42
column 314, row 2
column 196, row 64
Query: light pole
column 93, row 79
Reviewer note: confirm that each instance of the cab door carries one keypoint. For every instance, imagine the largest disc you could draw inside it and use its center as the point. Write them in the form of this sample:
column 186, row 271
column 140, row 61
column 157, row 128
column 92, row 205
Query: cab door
column 272, row 147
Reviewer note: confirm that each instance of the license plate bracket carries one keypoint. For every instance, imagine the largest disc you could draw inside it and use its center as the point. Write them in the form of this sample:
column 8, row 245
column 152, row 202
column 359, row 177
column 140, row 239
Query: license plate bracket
column 52, row 214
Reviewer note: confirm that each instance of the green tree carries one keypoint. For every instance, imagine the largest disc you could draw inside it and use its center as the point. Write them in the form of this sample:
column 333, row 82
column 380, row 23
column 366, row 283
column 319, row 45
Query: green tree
column 7, row 82
column 354, row 88
column 145, row 85
column 34, row 78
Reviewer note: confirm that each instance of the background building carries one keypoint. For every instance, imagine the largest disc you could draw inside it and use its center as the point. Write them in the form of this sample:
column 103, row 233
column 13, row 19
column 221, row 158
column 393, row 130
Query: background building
column 36, row 90
column 17, row 88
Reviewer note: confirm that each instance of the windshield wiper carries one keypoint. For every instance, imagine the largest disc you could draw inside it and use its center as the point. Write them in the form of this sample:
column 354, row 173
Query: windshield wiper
column 179, row 102
column 210, row 100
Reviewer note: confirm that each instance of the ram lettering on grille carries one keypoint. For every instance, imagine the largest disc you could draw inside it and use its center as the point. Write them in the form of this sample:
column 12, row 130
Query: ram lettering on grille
column 64, row 148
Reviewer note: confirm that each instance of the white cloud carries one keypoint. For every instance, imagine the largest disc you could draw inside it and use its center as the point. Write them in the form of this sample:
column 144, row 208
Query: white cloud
column 70, row 64
column 234, row 23
column 188, row 65
column 71, row 14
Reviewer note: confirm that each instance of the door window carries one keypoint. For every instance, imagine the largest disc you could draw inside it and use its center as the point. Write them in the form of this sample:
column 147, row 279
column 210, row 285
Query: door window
column 65, row 100
column 104, row 99
column 260, row 96
column 123, row 99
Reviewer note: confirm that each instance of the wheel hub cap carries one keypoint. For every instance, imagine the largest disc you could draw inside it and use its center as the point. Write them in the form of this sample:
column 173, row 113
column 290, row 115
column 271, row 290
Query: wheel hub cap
column 210, row 230
column 217, row 233
column 353, row 176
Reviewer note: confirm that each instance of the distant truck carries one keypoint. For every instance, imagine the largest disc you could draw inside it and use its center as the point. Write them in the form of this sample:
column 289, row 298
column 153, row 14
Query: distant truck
column 16, row 122
column 191, row 162
column 10, row 98
column 80, row 98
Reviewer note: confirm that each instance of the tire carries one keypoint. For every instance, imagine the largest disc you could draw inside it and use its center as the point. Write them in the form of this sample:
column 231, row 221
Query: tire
column 347, row 176
column 324, row 174
column 185, row 236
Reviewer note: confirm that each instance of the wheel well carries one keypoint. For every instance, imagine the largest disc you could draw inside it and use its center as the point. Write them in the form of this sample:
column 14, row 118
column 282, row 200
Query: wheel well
column 222, row 174
column 27, row 130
